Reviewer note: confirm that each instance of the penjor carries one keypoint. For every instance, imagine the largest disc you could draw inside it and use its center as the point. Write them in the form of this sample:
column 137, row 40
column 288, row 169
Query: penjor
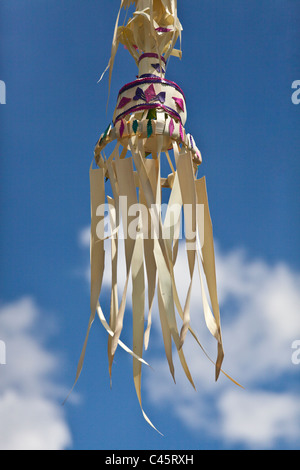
column 147, row 131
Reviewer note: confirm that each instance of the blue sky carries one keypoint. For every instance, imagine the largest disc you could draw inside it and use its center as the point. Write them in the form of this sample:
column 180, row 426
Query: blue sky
column 240, row 59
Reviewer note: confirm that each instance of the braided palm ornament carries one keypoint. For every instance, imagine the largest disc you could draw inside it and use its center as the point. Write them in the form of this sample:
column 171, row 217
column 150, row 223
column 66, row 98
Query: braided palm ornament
column 148, row 128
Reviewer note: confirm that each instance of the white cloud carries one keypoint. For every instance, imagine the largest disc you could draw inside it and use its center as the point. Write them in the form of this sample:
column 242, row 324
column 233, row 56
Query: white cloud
column 84, row 237
column 31, row 415
column 260, row 418
column 31, row 422
column 260, row 305
column 266, row 317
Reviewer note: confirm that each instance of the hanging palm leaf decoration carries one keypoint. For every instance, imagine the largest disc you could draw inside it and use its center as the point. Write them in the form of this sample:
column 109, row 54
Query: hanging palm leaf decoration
column 148, row 126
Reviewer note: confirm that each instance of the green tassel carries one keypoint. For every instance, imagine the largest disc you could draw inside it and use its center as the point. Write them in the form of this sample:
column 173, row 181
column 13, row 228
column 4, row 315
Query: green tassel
column 135, row 126
column 152, row 114
column 105, row 133
column 149, row 129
